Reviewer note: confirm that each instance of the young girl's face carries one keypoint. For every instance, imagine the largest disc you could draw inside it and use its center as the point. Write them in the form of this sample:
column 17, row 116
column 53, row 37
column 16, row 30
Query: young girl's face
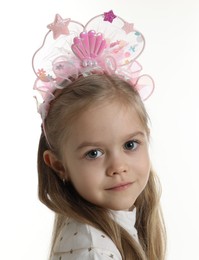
column 106, row 156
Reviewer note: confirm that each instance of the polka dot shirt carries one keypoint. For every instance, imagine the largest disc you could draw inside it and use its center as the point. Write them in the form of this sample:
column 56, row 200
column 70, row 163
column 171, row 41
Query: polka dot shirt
column 80, row 241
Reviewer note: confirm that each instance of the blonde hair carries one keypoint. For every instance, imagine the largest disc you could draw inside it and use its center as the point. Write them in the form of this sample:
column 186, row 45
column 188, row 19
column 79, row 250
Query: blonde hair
column 64, row 200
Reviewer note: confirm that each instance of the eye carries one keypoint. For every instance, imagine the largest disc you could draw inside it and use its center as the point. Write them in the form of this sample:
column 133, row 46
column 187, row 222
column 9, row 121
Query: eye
column 93, row 154
column 131, row 145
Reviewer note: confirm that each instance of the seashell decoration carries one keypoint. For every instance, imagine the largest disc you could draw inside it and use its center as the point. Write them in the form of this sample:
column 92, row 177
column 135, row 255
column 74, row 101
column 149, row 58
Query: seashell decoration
column 88, row 46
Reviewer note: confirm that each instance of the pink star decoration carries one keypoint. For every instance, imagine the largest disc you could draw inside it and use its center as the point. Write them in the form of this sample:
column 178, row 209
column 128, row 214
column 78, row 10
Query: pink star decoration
column 128, row 27
column 59, row 26
column 109, row 16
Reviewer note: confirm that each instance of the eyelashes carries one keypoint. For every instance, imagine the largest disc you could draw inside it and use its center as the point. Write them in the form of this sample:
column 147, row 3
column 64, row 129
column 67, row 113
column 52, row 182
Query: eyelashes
column 93, row 154
column 130, row 145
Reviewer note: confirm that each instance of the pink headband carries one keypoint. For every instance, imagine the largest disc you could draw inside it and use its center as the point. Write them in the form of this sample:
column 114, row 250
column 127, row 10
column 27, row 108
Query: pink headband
column 106, row 44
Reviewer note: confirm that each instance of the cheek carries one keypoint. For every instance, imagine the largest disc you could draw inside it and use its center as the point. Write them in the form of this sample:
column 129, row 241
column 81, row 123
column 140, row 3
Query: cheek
column 143, row 169
column 86, row 185
column 84, row 179
column 143, row 177
column 146, row 172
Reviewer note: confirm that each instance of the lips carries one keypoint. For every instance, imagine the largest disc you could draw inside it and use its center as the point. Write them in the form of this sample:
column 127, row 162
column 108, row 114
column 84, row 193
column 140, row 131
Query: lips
column 120, row 186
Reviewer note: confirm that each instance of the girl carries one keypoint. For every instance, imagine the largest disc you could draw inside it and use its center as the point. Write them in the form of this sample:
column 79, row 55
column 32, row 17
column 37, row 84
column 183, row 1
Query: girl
column 93, row 160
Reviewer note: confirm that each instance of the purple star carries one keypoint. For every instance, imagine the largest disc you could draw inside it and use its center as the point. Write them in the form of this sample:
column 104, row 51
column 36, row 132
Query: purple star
column 59, row 26
column 109, row 16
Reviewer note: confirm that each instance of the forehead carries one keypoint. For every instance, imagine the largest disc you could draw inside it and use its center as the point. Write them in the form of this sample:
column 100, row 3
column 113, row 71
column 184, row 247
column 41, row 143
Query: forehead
column 105, row 120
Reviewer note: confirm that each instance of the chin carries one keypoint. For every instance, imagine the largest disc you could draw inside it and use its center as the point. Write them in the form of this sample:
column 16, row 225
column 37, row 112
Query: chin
column 125, row 206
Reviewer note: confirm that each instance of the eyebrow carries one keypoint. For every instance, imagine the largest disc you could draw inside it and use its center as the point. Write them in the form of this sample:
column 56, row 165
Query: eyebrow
column 98, row 144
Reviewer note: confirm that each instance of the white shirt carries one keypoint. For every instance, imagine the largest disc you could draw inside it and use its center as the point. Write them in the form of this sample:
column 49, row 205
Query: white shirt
column 78, row 241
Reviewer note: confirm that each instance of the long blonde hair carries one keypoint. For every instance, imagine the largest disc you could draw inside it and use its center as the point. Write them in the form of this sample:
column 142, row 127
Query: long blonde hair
column 64, row 200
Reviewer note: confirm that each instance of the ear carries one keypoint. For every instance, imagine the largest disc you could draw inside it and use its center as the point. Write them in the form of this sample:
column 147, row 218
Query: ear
column 51, row 160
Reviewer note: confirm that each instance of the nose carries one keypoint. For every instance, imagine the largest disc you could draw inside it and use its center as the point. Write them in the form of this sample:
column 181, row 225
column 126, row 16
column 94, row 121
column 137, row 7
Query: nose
column 116, row 166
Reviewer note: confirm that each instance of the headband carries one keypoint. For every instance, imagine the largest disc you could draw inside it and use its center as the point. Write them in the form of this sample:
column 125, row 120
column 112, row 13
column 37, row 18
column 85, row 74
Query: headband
column 106, row 44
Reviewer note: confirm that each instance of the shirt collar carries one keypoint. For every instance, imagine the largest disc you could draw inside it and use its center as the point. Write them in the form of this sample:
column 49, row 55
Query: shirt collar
column 127, row 220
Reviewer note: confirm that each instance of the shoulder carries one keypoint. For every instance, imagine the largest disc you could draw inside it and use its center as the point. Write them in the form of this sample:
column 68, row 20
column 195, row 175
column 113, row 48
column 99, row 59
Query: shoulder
column 81, row 241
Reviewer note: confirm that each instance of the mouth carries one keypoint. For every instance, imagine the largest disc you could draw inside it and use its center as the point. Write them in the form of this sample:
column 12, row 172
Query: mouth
column 121, row 186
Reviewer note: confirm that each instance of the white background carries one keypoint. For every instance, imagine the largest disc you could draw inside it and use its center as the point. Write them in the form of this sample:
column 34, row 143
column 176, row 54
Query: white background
column 171, row 29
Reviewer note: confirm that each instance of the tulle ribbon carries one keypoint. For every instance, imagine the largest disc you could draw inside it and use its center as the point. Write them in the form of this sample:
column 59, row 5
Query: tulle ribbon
column 113, row 52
